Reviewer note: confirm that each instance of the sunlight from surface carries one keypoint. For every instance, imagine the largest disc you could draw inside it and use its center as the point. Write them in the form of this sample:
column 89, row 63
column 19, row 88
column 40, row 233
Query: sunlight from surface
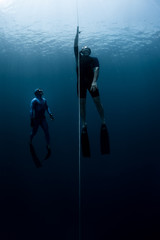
column 39, row 22
column 59, row 14
column 49, row 14
column 4, row 3
column 1, row 1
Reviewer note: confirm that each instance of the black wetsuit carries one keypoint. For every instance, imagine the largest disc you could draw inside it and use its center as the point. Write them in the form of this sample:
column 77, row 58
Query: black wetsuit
column 87, row 65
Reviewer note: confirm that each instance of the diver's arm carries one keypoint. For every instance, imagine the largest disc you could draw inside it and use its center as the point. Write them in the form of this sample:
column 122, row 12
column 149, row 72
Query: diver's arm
column 49, row 111
column 95, row 77
column 50, row 114
column 96, row 73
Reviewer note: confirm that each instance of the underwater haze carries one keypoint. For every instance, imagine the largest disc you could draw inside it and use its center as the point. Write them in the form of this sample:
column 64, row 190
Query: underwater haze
column 120, row 197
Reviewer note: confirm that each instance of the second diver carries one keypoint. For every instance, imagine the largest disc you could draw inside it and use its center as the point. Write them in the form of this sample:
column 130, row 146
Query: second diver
column 37, row 115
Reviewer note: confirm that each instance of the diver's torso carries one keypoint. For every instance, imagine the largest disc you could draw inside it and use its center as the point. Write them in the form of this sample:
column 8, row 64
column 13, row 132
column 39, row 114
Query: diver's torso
column 87, row 65
column 39, row 105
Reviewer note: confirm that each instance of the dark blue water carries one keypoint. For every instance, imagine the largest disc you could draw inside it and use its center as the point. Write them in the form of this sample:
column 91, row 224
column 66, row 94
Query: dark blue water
column 119, row 192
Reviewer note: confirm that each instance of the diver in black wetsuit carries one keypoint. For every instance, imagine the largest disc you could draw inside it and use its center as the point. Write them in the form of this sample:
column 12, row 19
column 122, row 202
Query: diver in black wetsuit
column 89, row 70
column 37, row 115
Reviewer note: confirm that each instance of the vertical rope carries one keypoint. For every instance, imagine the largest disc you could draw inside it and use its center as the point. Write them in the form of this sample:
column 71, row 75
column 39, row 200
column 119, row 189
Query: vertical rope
column 77, row 13
column 79, row 134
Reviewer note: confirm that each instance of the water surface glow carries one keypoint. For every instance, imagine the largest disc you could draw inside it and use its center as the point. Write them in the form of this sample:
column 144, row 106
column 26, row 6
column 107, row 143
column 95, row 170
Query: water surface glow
column 44, row 26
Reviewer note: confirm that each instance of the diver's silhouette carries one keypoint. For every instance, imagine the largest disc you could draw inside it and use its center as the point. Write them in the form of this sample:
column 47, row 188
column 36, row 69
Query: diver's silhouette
column 87, row 72
column 37, row 115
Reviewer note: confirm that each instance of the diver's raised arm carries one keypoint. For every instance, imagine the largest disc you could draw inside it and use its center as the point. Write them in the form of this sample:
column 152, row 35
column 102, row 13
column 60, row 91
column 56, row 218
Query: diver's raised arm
column 76, row 38
column 76, row 51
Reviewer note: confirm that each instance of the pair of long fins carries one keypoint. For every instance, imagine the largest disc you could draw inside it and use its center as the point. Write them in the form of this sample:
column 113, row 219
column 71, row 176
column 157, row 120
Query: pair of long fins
column 104, row 142
column 35, row 158
column 85, row 146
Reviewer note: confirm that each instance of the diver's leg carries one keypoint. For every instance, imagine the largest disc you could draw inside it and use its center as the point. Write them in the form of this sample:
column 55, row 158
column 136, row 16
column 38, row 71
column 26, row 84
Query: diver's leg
column 99, row 107
column 44, row 126
column 34, row 130
column 83, row 111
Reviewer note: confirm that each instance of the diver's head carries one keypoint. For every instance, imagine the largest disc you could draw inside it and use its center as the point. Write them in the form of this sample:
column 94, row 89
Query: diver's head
column 85, row 51
column 38, row 92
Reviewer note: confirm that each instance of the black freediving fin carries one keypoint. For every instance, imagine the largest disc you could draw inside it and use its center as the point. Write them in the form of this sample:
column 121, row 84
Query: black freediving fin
column 85, row 146
column 104, row 140
column 34, row 157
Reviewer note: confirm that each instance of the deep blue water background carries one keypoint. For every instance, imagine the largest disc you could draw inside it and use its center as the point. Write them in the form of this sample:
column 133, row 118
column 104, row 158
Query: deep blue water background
column 120, row 192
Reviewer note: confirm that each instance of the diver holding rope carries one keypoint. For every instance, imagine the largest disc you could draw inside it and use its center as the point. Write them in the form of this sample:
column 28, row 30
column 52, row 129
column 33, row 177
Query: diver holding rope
column 88, row 76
